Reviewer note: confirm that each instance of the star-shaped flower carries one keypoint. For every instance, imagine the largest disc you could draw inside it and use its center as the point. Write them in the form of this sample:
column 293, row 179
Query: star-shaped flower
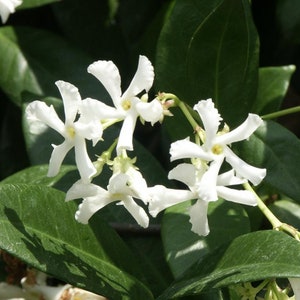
column 216, row 148
column 191, row 175
column 125, row 184
column 74, row 131
column 129, row 104
column 8, row 7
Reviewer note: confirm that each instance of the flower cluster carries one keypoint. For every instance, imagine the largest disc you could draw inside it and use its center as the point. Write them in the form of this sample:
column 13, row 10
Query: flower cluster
column 8, row 7
column 86, row 119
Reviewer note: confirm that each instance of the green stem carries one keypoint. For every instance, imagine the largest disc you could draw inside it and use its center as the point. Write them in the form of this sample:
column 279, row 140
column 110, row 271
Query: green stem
column 276, row 223
column 184, row 109
column 264, row 209
column 281, row 113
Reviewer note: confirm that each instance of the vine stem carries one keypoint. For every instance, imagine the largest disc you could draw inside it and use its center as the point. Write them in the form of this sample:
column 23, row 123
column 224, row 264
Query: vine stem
column 281, row 113
column 276, row 223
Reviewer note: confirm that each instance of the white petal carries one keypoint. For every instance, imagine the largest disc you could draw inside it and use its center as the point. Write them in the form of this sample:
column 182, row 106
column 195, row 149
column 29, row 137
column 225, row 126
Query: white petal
column 71, row 99
column 81, row 189
column 186, row 149
column 38, row 111
column 85, row 166
column 238, row 196
column 58, row 154
column 207, row 187
column 7, row 7
column 91, row 205
column 94, row 109
column 118, row 184
column 142, row 80
column 295, row 283
column 151, row 112
column 90, row 131
column 242, row 132
column 185, row 173
column 138, row 185
column 210, row 118
column 108, row 74
column 253, row 174
column 126, row 133
column 136, row 211
column 162, row 198
column 198, row 218
column 228, row 178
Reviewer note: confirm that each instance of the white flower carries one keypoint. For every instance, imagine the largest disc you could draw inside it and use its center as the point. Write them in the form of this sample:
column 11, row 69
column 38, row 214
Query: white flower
column 125, row 184
column 216, row 146
column 189, row 174
column 8, row 7
column 74, row 131
column 295, row 283
column 128, row 103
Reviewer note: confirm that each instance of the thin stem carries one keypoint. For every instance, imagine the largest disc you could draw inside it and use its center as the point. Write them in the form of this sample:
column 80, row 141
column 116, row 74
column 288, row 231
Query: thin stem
column 264, row 209
column 281, row 113
column 276, row 223
column 184, row 109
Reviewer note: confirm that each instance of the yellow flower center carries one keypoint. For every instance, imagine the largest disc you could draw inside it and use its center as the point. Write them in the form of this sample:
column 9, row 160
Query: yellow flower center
column 217, row 149
column 126, row 104
column 71, row 132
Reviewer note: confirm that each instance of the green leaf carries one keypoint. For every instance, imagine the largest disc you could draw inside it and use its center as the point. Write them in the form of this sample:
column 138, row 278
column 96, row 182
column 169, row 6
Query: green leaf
column 39, row 227
column 278, row 150
column 272, row 87
column 32, row 60
column 183, row 247
column 38, row 175
column 212, row 53
column 35, row 3
column 250, row 257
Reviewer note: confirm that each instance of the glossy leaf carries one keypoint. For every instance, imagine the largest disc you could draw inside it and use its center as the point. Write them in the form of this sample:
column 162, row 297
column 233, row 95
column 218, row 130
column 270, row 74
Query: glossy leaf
column 272, row 87
column 37, row 175
column 278, row 150
column 49, row 239
column 35, row 3
column 212, row 53
column 250, row 257
column 32, row 60
column 183, row 247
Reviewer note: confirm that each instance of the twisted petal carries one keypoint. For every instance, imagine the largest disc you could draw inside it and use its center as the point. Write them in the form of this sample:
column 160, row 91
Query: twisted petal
column 126, row 133
column 198, row 218
column 185, row 173
column 94, row 109
column 118, row 184
column 253, row 174
column 58, row 154
column 7, row 7
column 162, row 198
column 210, row 118
column 92, row 130
column 81, row 189
column 151, row 112
column 108, row 74
column 186, row 149
column 71, row 99
column 91, row 205
column 295, row 283
column 38, row 111
column 136, row 211
column 85, row 166
column 238, row 196
column 242, row 132
column 142, row 80
column 207, row 187
column 228, row 178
